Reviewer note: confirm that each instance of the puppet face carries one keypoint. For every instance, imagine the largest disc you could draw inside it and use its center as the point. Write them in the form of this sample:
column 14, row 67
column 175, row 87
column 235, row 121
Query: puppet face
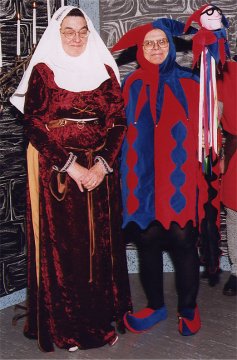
column 211, row 18
column 74, row 35
column 155, row 46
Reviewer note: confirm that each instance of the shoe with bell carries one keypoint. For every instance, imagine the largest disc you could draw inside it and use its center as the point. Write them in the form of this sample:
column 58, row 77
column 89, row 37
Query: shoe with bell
column 230, row 288
column 144, row 319
column 189, row 321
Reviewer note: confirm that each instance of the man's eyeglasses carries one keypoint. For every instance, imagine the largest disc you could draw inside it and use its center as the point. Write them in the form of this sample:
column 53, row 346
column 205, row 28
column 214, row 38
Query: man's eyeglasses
column 211, row 10
column 70, row 33
column 150, row 44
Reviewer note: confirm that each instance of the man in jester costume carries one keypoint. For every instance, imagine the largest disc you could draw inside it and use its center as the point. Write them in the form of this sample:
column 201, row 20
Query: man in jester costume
column 210, row 50
column 162, row 184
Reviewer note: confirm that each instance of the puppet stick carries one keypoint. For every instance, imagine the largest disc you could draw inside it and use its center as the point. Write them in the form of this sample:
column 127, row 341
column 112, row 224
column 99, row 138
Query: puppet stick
column 200, row 125
column 215, row 114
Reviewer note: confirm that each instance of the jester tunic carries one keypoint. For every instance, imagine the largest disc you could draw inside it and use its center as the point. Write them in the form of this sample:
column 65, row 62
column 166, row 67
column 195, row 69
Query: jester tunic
column 77, row 272
column 161, row 175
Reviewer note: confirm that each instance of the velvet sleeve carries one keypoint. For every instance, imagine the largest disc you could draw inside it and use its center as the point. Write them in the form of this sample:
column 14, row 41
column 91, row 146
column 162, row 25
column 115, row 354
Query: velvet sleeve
column 115, row 120
column 35, row 117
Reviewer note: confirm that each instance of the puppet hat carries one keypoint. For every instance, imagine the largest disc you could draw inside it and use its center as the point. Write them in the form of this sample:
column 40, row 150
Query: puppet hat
column 195, row 17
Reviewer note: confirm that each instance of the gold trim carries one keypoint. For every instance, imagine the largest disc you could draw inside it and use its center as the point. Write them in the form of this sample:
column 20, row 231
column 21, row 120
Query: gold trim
column 91, row 232
column 62, row 186
column 86, row 151
column 91, row 222
column 86, row 110
column 110, row 235
column 33, row 178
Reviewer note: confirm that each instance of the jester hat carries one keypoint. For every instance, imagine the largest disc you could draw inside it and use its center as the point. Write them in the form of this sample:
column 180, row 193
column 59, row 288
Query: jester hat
column 151, row 74
column 196, row 17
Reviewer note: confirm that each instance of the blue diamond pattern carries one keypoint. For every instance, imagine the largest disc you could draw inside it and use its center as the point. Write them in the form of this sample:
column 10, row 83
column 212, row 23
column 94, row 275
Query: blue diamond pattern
column 177, row 177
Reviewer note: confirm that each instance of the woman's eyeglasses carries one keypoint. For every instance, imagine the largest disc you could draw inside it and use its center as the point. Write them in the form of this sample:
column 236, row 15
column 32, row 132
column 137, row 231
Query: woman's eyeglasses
column 211, row 10
column 70, row 33
column 150, row 44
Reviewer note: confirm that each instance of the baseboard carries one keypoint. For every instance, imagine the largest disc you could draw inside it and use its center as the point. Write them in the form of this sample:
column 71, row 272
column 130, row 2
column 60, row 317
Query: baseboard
column 133, row 268
column 133, row 265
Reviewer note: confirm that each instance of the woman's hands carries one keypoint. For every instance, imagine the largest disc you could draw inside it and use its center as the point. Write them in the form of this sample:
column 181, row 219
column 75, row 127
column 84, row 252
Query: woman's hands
column 77, row 173
column 94, row 177
column 88, row 179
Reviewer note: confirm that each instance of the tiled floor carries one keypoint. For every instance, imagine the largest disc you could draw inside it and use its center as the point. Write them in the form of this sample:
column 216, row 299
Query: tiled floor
column 216, row 340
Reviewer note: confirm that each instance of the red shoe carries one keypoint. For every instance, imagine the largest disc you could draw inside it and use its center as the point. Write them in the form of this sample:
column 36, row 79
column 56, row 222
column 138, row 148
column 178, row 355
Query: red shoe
column 189, row 321
column 144, row 319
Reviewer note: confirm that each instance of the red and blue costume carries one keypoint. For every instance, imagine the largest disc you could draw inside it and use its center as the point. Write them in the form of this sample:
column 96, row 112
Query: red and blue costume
column 160, row 171
column 162, row 184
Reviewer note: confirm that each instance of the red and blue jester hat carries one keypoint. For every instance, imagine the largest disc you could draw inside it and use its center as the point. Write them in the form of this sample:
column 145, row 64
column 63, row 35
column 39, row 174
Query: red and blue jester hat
column 155, row 76
column 151, row 75
column 210, row 46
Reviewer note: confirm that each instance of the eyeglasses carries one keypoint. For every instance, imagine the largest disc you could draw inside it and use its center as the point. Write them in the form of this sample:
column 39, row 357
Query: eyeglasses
column 70, row 33
column 150, row 44
column 211, row 10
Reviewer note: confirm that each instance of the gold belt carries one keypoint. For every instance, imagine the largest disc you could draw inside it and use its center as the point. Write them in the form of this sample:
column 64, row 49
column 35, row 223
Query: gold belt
column 52, row 124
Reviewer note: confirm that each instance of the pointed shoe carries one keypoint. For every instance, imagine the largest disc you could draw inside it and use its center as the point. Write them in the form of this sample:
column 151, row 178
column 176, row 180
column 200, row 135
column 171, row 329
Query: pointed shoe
column 189, row 321
column 144, row 319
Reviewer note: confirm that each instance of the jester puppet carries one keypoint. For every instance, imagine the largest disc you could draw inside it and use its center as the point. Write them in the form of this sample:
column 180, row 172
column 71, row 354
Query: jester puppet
column 210, row 48
column 210, row 51
column 163, row 187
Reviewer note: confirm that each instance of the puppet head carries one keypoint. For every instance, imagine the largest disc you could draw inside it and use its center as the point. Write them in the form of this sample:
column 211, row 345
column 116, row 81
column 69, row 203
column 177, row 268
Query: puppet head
column 209, row 17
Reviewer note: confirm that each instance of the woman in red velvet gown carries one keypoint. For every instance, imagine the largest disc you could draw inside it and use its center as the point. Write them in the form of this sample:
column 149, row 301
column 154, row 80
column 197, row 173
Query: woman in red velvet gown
column 75, row 122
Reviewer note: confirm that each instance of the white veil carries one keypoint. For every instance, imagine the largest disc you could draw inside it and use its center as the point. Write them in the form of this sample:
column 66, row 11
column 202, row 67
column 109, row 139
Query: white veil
column 82, row 73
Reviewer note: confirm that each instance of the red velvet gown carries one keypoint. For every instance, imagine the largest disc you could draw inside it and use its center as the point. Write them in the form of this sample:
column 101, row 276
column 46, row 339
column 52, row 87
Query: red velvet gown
column 83, row 282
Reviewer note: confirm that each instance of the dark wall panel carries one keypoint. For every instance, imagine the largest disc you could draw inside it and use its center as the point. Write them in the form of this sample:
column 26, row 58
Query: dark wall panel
column 12, row 143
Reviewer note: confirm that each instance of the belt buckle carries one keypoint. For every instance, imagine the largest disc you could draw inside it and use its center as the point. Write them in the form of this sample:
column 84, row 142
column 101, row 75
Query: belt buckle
column 62, row 122
column 80, row 125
